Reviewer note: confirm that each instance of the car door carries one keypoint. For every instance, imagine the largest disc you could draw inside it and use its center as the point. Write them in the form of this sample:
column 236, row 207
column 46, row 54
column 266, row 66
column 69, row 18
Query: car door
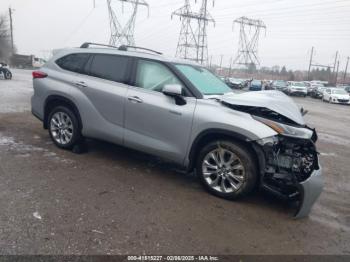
column 154, row 123
column 327, row 94
column 106, row 88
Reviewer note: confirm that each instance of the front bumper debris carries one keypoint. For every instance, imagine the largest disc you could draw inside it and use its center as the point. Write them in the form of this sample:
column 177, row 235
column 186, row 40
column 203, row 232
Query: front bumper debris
column 309, row 190
column 291, row 170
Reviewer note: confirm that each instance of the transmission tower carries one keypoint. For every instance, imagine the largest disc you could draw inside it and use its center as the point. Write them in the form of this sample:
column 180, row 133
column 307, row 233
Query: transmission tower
column 123, row 35
column 249, row 35
column 192, row 44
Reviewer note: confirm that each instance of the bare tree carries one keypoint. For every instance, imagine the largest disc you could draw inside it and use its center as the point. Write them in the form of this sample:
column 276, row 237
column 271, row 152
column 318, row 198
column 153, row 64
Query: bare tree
column 5, row 43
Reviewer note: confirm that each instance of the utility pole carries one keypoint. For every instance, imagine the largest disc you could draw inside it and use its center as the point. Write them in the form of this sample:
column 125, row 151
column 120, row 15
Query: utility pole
column 123, row 35
column 335, row 61
column 331, row 75
column 11, row 28
column 336, row 75
column 248, row 42
column 346, row 70
column 230, row 70
column 192, row 44
column 311, row 56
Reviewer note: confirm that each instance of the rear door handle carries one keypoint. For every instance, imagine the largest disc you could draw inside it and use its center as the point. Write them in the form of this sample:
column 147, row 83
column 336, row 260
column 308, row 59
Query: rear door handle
column 135, row 99
column 80, row 84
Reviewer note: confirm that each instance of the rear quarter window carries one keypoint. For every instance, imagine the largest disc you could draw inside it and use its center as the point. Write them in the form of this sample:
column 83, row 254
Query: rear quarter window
column 110, row 67
column 74, row 62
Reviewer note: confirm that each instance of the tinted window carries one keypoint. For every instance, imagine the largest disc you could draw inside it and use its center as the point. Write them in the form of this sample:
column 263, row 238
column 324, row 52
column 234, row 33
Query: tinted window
column 74, row 62
column 110, row 67
column 154, row 76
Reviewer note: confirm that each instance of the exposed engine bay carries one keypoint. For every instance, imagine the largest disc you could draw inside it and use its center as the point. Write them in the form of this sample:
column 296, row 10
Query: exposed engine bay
column 288, row 162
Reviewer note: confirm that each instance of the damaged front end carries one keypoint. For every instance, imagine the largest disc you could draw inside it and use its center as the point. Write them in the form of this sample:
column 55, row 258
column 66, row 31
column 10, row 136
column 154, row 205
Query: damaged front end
column 291, row 170
column 288, row 161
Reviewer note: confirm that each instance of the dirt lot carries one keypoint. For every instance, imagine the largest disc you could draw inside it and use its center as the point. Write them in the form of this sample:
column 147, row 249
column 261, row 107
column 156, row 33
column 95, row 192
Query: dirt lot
column 117, row 201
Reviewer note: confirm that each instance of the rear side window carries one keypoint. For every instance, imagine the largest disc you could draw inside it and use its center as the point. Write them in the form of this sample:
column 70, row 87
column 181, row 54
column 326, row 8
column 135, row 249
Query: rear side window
column 110, row 67
column 73, row 62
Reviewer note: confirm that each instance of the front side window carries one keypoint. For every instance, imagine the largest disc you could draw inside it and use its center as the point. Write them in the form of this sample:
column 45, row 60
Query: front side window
column 299, row 84
column 154, row 76
column 110, row 67
column 74, row 62
column 205, row 81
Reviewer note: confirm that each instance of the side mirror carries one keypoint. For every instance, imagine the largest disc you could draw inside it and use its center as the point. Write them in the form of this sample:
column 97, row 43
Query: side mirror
column 174, row 91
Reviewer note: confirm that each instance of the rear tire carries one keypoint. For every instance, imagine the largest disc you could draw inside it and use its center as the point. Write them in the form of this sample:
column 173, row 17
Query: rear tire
column 227, row 169
column 63, row 126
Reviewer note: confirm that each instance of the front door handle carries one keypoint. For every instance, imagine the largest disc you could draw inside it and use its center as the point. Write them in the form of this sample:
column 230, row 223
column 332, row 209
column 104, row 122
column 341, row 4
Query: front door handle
column 135, row 99
column 80, row 84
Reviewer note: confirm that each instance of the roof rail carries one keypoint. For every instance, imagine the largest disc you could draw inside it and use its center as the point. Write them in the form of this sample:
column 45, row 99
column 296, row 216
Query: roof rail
column 126, row 47
column 87, row 45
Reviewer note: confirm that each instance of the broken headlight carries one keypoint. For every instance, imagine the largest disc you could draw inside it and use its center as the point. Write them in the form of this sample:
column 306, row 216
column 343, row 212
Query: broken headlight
column 286, row 130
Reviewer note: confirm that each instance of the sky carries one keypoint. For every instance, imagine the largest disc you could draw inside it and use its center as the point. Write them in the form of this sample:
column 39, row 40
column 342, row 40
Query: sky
column 293, row 27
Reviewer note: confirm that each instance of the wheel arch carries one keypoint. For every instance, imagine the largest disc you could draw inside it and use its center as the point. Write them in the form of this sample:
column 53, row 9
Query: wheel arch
column 210, row 135
column 57, row 100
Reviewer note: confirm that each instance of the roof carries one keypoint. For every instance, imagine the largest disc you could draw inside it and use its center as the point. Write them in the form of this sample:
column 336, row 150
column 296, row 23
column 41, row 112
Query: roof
column 115, row 51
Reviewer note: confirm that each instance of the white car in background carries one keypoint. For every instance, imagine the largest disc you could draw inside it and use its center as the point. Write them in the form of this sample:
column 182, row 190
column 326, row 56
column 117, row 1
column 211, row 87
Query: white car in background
column 297, row 88
column 336, row 95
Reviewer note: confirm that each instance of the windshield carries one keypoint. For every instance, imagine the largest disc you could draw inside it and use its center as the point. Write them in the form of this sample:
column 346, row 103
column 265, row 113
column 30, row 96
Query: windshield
column 280, row 83
column 298, row 84
column 339, row 92
column 205, row 81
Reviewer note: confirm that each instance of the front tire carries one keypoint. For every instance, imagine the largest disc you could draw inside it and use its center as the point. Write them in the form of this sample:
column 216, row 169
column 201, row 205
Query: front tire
column 227, row 169
column 64, row 127
column 8, row 75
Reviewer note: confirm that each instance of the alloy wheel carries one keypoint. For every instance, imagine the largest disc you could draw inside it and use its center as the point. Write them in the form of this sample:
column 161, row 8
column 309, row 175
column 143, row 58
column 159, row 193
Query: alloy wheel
column 61, row 128
column 223, row 170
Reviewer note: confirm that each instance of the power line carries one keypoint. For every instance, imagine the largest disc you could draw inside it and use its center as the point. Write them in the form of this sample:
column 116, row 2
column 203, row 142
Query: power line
column 192, row 43
column 248, row 43
column 123, row 35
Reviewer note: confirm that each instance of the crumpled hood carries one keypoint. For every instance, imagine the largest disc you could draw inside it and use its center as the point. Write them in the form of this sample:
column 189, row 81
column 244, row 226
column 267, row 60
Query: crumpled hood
column 273, row 100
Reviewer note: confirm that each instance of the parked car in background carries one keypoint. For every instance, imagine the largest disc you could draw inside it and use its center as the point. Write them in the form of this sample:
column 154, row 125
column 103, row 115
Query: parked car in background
column 336, row 96
column 255, row 85
column 313, row 86
column 297, row 88
column 347, row 89
column 236, row 83
column 317, row 92
column 280, row 85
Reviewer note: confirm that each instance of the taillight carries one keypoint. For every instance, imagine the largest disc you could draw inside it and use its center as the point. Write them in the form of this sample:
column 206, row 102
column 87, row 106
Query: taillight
column 39, row 74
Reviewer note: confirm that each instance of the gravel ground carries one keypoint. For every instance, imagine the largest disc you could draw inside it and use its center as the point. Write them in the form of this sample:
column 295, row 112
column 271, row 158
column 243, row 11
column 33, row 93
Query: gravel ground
column 114, row 200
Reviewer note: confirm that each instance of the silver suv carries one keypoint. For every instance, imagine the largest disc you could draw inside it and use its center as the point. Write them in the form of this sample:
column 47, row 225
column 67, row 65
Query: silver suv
column 180, row 111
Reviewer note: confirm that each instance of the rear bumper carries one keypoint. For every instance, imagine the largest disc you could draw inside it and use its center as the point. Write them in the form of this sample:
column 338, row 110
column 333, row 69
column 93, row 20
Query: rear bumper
column 310, row 190
column 37, row 108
